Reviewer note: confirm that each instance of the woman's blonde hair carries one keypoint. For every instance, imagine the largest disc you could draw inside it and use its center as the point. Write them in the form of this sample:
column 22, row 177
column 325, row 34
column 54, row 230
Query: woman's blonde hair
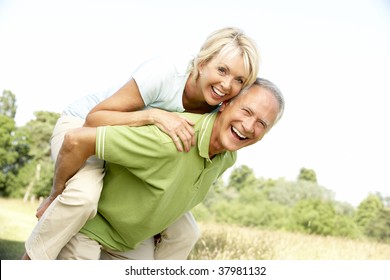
column 228, row 43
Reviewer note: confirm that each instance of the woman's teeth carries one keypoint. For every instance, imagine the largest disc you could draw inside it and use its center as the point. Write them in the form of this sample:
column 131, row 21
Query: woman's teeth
column 218, row 92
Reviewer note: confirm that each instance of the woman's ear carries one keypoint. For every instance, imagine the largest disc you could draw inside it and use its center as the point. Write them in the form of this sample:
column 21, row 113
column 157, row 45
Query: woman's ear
column 200, row 69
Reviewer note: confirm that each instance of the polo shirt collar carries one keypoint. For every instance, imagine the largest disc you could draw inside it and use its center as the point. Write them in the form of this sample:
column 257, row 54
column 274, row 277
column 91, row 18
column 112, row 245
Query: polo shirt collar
column 205, row 135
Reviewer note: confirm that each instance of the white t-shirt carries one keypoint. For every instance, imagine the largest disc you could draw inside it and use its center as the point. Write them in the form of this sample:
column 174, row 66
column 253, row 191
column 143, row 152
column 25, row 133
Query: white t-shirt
column 160, row 81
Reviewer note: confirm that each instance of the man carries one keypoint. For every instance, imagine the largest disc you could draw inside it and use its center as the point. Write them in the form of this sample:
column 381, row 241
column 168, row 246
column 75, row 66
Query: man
column 148, row 184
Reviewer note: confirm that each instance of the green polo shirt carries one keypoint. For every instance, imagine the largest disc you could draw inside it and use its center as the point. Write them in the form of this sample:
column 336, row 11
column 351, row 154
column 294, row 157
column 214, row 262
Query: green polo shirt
column 149, row 184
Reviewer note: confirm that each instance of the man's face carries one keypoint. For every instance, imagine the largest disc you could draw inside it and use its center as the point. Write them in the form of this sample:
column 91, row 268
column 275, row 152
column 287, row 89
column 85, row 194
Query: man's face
column 245, row 120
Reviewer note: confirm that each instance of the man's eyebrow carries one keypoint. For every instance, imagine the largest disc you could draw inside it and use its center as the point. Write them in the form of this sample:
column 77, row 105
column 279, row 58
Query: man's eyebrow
column 263, row 122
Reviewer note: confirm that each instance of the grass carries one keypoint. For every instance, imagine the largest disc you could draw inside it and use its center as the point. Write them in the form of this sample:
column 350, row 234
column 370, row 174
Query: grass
column 17, row 219
column 227, row 242
column 221, row 242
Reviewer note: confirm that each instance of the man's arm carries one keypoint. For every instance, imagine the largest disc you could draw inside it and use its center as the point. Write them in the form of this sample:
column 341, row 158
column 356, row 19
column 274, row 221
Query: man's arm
column 78, row 146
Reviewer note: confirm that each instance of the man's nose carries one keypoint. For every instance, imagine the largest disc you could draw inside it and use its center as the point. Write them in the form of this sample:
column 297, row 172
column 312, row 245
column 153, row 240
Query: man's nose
column 249, row 125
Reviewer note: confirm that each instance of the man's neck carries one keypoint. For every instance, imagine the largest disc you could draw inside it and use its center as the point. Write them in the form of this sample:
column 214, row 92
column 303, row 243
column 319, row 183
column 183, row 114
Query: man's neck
column 215, row 146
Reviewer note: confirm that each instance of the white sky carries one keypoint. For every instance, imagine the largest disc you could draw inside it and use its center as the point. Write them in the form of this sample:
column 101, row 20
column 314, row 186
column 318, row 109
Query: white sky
column 330, row 58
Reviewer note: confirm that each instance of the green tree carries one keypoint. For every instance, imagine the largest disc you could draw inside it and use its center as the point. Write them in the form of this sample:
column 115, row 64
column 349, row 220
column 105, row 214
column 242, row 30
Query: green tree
column 242, row 177
column 367, row 210
column 345, row 226
column 37, row 178
column 215, row 193
column 373, row 218
column 378, row 227
column 8, row 104
column 307, row 175
column 385, row 199
column 315, row 216
column 39, row 131
column 264, row 214
column 289, row 193
column 13, row 154
column 14, row 145
column 32, row 165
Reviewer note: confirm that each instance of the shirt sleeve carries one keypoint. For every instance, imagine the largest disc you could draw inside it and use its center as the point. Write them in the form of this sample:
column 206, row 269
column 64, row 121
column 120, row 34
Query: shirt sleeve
column 133, row 147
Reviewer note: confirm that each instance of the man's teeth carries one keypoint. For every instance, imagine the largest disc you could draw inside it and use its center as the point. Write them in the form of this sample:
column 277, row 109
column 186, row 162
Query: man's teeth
column 238, row 133
column 218, row 92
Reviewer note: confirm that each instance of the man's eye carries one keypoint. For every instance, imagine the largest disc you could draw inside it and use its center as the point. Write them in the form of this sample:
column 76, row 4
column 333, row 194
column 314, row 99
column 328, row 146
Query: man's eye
column 263, row 124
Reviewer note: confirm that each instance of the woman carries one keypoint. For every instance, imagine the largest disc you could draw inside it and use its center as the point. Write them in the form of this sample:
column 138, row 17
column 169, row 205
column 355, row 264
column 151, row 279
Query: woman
column 227, row 62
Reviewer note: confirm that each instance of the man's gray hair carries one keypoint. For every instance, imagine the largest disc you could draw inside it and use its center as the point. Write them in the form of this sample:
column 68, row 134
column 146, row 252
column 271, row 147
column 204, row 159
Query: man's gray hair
column 275, row 91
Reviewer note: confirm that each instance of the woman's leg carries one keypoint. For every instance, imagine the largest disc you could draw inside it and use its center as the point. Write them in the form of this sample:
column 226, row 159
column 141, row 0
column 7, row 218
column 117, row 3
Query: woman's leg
column 70, row 210
column 80, row 247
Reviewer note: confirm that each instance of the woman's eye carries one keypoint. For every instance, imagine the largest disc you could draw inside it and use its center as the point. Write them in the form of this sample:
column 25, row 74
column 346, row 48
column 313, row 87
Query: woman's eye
column 246, row 111
column 222, row 70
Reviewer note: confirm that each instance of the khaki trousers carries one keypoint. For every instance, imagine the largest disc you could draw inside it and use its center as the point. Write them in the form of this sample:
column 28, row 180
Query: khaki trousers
column 176, row 243
column 68, row 213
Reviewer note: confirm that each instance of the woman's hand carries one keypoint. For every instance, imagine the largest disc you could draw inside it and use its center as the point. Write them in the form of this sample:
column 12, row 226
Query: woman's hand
column 44, row 205
column 179, row 128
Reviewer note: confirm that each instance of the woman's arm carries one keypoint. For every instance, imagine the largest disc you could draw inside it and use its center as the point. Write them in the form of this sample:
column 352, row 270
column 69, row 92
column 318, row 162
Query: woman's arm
column 125, row 107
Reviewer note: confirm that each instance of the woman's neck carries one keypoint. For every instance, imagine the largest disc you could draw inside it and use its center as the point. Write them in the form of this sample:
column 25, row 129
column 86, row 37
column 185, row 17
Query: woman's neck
column 193, row 100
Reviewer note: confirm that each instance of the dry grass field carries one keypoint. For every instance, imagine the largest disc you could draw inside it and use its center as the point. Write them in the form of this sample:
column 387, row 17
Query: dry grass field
column 226, row 242
column 218, row 242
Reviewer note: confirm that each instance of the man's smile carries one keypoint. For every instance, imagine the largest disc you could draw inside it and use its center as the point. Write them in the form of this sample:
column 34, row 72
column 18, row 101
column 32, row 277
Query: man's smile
column 238, row 134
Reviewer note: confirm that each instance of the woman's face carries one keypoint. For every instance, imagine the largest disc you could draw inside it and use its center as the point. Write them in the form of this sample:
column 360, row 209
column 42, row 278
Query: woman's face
column 221, row 79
